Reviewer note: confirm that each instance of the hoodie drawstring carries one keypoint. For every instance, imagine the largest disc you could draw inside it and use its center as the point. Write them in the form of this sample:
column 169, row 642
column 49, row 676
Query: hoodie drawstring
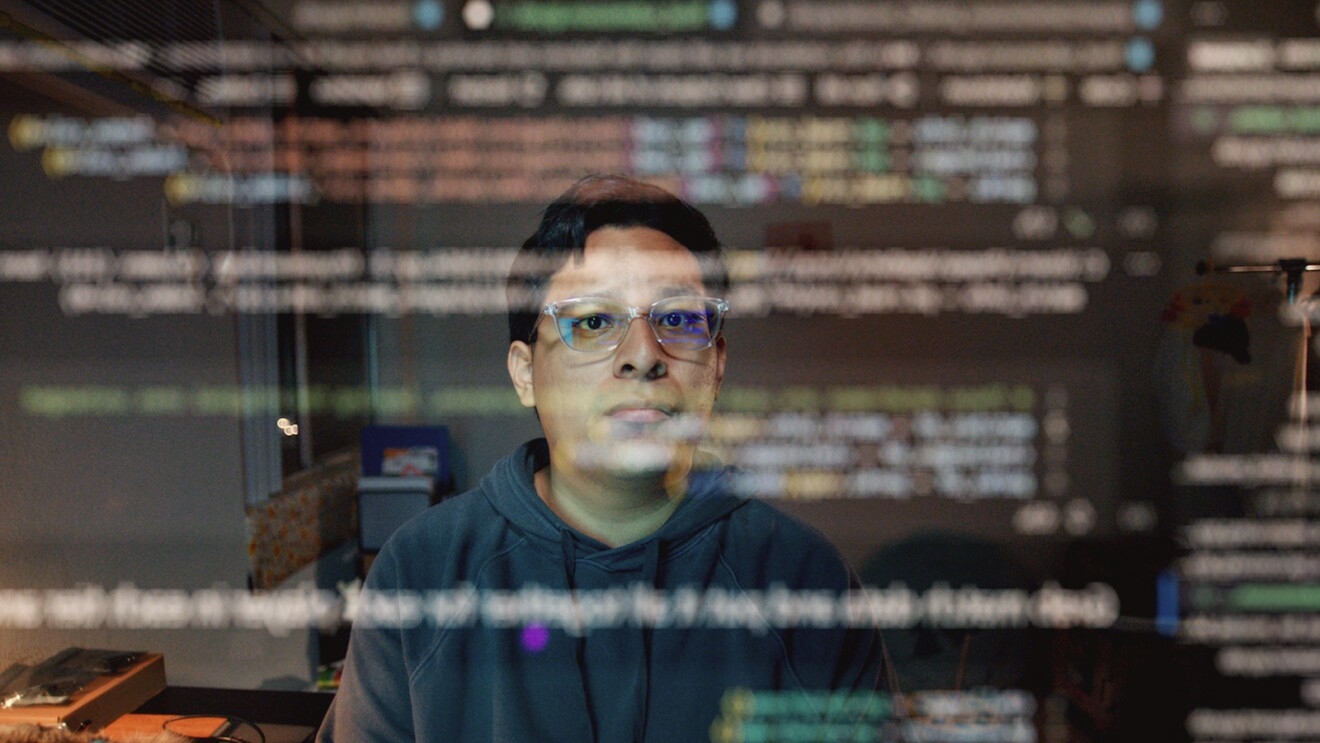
column 650, row 575
column 569, row 552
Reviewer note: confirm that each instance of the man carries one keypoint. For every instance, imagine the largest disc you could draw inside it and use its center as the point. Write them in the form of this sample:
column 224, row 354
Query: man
column 615, row 320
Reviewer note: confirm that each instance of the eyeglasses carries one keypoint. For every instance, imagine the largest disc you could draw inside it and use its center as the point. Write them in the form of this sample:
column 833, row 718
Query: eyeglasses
column 598, row 324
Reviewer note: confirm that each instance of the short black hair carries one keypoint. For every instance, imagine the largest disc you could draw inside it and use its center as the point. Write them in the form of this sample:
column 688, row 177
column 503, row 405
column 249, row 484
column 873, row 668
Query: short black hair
column 593, row 203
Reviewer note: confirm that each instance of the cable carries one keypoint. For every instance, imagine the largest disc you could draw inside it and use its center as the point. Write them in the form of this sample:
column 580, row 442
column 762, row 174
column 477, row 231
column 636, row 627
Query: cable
column 223, row 734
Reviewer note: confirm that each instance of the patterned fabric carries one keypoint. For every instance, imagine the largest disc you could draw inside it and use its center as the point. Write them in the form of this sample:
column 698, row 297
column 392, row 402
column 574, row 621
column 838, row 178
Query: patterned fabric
column 314, row 512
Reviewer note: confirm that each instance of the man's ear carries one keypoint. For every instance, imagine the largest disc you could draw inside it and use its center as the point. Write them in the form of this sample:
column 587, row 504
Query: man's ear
column 520, row 371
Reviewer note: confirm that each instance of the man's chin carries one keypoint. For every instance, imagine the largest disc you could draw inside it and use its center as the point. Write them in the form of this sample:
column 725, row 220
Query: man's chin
column 631, row 457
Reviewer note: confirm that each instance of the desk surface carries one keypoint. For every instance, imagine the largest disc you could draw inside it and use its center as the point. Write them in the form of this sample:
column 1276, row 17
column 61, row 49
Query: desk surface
column 258, row 705
column 134, row 726
column 284, row 716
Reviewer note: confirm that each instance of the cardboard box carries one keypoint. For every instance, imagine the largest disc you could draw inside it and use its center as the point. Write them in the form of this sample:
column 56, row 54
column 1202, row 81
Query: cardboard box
column 100, row 702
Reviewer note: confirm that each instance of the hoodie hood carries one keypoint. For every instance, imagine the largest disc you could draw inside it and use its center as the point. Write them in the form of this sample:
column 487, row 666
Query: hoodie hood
column 510, row 490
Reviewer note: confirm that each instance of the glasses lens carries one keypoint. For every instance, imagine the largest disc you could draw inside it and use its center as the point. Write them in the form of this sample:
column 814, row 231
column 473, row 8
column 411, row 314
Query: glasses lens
column 600, row 324
column 686, row 322
column 591, row 324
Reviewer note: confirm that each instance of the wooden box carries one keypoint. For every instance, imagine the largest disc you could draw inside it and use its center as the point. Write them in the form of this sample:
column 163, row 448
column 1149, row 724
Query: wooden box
column 100, row 702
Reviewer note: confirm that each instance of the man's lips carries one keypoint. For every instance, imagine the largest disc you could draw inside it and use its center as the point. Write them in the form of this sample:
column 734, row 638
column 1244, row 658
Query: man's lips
column 655, row 421
column 628, row 414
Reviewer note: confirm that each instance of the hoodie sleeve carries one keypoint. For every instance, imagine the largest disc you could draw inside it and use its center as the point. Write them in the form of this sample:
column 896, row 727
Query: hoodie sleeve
column 767, row 547
column 848, row 662
column 841, row 658
column 373, row 702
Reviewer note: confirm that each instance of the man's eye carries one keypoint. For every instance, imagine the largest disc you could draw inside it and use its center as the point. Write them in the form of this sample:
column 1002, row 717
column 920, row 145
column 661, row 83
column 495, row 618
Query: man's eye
column 681, row 319
column 594, row 323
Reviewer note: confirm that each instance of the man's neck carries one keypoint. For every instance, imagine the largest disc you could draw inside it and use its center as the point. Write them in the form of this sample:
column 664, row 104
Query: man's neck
column 614, row 510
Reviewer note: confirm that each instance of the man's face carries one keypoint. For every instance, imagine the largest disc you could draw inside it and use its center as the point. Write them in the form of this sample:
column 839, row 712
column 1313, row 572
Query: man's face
column 606, row 410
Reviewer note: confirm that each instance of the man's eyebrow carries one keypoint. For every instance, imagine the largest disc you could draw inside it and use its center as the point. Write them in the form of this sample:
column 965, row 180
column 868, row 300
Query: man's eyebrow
column 678, row 290
column 663, row 292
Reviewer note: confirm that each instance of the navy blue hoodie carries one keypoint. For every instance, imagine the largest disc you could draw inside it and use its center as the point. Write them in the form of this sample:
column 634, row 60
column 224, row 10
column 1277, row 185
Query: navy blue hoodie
column 471, row 681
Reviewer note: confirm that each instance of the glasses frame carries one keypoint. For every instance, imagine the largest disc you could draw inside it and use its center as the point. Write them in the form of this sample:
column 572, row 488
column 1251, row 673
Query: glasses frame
column 634, row 313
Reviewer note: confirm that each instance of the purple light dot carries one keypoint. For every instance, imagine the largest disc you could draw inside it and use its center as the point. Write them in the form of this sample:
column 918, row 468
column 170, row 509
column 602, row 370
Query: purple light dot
column 535, row 637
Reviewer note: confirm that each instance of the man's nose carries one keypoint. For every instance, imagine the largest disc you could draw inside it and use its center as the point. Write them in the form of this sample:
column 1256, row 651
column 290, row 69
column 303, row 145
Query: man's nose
column 639, row 353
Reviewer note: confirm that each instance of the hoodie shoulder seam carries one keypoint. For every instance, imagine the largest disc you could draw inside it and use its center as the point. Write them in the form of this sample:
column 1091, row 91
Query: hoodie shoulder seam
column 772, row 630
column 444, row 633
